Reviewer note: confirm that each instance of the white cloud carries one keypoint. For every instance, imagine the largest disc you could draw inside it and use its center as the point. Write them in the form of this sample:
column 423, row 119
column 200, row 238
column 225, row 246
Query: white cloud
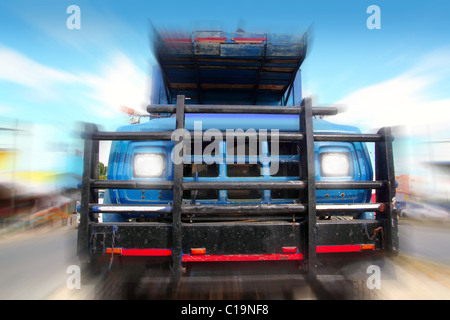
column 408, row 99
column 120, row 83
column 94, row 96
column 20, row 69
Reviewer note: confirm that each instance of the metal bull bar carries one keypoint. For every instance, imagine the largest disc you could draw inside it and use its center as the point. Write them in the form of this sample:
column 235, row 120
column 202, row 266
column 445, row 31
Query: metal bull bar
column 306, row 207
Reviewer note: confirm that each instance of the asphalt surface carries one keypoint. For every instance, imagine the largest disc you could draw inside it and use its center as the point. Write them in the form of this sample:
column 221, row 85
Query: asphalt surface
column 429, row 241
column 34, row 265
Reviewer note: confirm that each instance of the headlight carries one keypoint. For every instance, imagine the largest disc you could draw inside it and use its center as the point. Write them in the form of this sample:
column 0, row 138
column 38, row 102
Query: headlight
column 149, row 165
column 335, row 164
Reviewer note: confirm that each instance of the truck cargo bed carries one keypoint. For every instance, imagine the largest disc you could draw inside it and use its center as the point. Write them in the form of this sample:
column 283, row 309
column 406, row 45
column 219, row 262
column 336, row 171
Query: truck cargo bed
column 250, row 68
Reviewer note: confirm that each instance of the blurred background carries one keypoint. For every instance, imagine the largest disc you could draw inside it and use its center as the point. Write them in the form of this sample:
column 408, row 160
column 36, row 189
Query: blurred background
column 423, row 174
column 39, row 175
column 53, row 78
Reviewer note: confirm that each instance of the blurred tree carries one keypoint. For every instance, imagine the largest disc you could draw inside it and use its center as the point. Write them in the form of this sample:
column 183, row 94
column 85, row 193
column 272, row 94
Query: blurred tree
column 102, row 170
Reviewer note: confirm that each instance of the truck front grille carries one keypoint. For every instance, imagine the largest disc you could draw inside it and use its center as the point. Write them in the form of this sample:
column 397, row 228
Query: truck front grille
column 241, row 162
column 244, row 170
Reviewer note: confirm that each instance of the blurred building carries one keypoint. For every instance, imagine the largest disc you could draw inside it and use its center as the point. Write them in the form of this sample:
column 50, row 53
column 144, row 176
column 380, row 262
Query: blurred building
column 422, row 162
column 36, row 173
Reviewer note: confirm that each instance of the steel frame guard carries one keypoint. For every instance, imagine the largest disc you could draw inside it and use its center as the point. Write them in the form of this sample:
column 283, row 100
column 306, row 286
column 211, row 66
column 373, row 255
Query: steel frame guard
column 384, row 170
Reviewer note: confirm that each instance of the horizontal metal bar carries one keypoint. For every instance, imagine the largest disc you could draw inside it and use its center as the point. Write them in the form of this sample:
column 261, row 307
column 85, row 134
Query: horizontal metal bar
column 288, row 136
column 350, row 184
column 233, row 185
column 278, row 208
column 324, row 111
column 131, row 184
column 168, row 108
column 167, row 135
column 241, row 109
column 279, row 185
column 268, row 135
column 237, row 210
column 241, row 217
column 224, row 109
column 347, row 137
column 142, row 136
column 249, row 209
column 243, row 185
column 357, row 207
column 130, row 225
column 121, row 208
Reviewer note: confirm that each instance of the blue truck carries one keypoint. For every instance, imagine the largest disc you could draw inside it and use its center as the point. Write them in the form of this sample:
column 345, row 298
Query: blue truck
column 236, row 166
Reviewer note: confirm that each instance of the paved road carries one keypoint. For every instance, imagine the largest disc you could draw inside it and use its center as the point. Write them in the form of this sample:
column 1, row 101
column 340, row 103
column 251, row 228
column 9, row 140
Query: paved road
column 34, row 266
column 429, row 241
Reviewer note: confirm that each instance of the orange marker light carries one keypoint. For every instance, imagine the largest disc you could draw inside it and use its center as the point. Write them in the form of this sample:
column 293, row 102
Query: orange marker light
column 198, row 251
column 115, row 251
column 369, row 246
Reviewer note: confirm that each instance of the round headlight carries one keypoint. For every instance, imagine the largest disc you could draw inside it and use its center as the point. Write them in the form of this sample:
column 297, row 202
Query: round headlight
column 335, row 164
column 149, row 165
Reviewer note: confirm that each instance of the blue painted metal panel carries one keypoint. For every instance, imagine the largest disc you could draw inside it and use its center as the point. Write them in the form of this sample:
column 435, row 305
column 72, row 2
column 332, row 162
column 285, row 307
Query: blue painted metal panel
column 120, row 164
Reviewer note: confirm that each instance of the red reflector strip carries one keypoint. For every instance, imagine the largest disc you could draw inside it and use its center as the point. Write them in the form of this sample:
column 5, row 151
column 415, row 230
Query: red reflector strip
column 241, row 257
column 211, row 40
column 183, row 40
column 289, row 249
column 141, row 252
column 373, row 198
column 341, row 248
column 249, row 40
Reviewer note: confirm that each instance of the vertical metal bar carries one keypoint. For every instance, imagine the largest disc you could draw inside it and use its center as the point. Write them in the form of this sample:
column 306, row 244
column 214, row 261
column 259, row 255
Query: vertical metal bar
column 177, row 195
column 294, row 75
column 290, row 85
column 95, row 172
column 91, row 150
column 258, row 76
column 197, row 73
column 384, row 169
column 307, row 164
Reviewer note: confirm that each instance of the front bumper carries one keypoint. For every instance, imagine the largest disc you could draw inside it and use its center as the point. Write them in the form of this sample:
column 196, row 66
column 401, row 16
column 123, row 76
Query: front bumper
column 236, row 241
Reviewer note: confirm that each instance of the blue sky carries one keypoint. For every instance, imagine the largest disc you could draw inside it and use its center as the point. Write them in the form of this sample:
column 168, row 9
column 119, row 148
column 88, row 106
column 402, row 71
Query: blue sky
column 52, row 75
